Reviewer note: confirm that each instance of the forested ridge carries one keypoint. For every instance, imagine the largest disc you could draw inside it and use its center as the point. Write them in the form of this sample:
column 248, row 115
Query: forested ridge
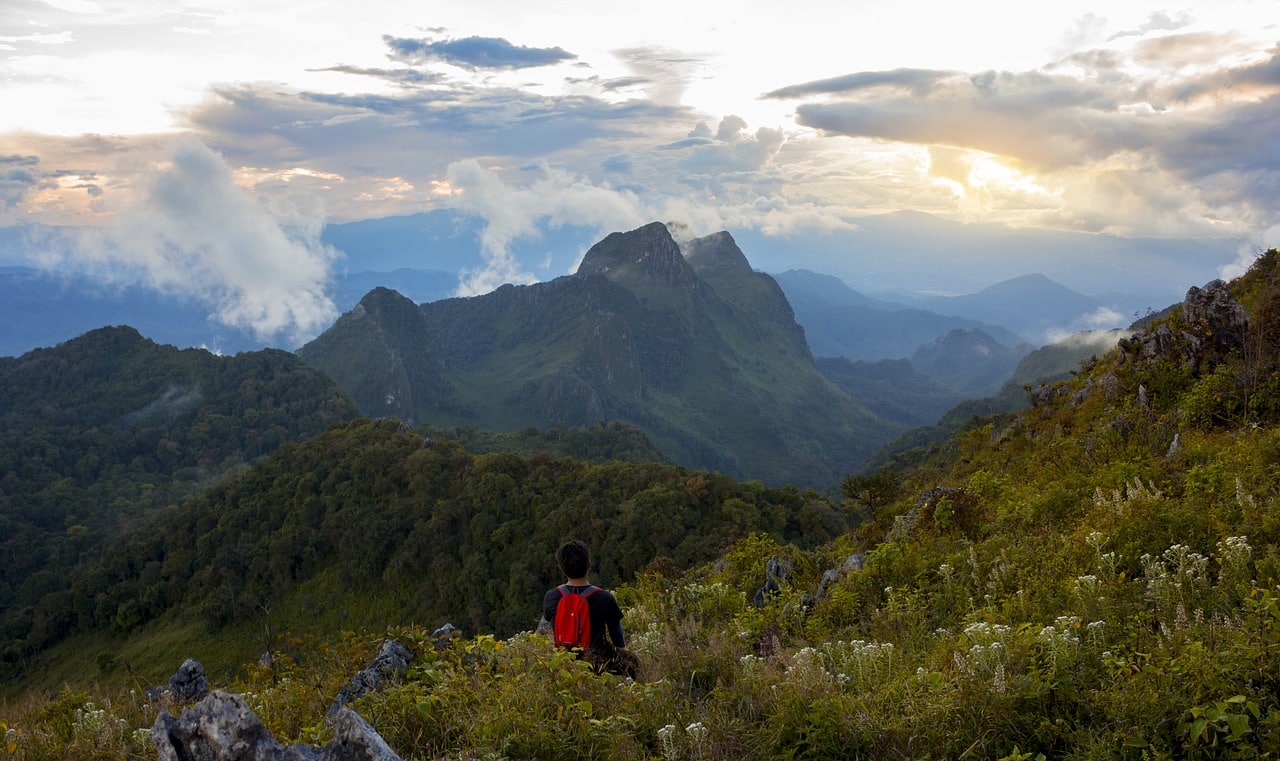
column 101, row 432
column 1096, row 576
column 372, row 523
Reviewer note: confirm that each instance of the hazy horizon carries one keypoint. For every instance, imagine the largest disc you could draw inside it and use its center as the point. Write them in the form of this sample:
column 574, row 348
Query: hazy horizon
column 203, row 151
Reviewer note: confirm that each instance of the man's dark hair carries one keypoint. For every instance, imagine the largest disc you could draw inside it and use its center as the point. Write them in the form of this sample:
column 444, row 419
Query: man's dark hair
column 574, row 558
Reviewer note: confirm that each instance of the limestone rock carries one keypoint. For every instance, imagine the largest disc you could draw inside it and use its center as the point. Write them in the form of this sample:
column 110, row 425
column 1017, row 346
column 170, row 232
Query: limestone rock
column 187, row 685
column 391, row 660
column 776, row 570
column 222, row 727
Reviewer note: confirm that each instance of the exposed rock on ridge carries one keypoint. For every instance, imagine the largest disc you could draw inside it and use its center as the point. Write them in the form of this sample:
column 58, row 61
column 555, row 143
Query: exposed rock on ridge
column 1213, row 323
column 222, row 727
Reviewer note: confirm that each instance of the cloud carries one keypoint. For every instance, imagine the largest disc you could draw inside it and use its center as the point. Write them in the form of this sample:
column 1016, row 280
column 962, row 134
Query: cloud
column 402, row 76
column 1101, row 341
column 17, row 177
column 475, row 53
column 510, row 212
column 1102, row 317
column 189, row 230
column 665, row 72
column 1175, row 130
column 730, row 150
column 1156, row 22
column 913, row 81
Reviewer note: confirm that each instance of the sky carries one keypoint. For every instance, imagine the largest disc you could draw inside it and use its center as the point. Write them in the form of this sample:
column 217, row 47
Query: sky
column 203, row 146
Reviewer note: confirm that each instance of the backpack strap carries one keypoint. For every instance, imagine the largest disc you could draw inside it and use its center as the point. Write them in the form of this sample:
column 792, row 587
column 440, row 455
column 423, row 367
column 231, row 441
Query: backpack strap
column 589, row 590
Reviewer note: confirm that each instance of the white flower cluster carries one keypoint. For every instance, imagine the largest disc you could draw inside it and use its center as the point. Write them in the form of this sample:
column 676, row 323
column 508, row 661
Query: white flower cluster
column 858, row 660
column 1086, row 586
column 644, row 641
column 91, row 721
column 1176, row 578
column 1233, row 557
column 1061, row 632
column 981, row 632
column 666, row 736
column 698, row 736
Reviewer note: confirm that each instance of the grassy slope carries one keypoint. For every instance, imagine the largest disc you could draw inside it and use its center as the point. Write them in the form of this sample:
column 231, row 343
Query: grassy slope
column 1081, row 590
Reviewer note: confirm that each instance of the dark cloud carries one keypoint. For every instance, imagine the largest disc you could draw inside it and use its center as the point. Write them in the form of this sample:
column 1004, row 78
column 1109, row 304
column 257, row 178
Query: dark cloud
column 1262, row 77
column 18, row 176
column 624, row 82
column 406, row 76
column 475, row 52
column 915, row 81
column 1043, row 120
column 415, row 133
column 1156, row 22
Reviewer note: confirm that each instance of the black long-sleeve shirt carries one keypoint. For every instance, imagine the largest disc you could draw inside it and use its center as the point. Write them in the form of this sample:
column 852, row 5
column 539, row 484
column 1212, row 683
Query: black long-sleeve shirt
column 606, row 616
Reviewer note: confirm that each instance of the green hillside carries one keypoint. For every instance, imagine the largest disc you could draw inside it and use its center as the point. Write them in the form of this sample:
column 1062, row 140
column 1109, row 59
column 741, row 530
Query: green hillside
column 1094, row 577
column 370, row 523
column 99, row 433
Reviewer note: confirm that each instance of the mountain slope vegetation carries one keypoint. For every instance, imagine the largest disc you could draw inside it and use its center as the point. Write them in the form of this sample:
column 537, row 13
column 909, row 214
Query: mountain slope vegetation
column 693, row 348
column 1096, row 576
column 370, row 522
column 99, row 433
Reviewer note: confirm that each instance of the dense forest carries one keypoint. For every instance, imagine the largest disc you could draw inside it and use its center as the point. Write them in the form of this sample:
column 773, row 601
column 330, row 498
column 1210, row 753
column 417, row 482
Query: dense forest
column 371, row 522
column 1096, row 576
column 99, row 433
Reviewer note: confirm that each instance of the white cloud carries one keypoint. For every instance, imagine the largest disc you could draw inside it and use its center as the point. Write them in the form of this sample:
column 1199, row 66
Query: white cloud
column 1100, row 341
column 1102, row 318
column 188, row 229
column 511, row 212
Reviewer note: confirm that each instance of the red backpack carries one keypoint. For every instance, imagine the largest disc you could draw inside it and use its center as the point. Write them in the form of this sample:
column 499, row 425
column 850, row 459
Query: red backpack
column 573, row 618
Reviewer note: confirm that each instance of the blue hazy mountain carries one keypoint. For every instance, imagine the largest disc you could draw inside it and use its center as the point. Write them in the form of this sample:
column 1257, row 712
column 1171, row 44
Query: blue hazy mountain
column 841, row 322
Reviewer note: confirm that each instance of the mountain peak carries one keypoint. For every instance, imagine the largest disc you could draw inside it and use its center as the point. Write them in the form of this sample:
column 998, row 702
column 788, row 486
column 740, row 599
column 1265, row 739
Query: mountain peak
column 716, row 253
column 647, row 255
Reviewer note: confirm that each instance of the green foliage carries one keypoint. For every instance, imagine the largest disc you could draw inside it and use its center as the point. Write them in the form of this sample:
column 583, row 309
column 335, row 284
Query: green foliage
column 1067, row 584
column 102, row 433
column 370, row 523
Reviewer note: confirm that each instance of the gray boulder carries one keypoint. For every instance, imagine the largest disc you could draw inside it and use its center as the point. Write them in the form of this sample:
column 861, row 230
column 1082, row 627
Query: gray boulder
column 1213, row 324
column 776, row 571
column 392, row 659
column 222, row 727
column 187, row 685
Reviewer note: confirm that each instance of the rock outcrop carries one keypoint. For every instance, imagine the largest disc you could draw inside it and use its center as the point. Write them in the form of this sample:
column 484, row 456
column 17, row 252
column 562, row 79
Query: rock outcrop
column 776, row 571
column 1213, row 324
column 187, row 685
column 222, row 727
column 392, row 659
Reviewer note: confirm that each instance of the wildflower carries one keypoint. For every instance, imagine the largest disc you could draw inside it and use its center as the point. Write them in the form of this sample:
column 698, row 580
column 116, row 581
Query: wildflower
column 698, row 734
column 667, row 738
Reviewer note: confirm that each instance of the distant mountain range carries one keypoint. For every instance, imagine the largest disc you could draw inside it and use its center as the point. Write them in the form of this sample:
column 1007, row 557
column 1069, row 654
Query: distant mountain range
column 893, row 257
column 841, row 322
